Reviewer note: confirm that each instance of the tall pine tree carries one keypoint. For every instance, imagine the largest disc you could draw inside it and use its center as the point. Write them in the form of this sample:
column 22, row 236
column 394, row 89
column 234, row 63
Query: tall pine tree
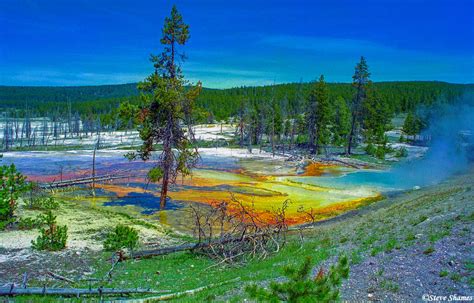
column 167, row 107
column 341, row 122
column 360, row 80
column 318, row 116
column 376, row 116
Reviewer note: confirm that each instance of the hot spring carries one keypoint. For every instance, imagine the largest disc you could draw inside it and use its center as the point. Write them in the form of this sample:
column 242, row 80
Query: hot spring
column 253, row 179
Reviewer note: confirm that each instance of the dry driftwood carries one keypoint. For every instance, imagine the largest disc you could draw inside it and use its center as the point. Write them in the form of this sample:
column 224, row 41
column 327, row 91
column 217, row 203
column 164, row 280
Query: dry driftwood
column 181, row 293
column 13, row 290
column 164, row 251
column 225, row 234
column 172, row 249
column 346, row 163
column 185, row 247
column 83, row 181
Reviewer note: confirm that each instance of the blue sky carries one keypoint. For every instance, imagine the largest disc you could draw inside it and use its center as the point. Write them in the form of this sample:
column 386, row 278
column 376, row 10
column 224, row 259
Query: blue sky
column 233, row 43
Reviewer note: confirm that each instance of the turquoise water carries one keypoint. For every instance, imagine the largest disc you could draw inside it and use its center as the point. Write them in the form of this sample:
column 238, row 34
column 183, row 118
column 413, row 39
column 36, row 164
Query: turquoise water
column 380, row 180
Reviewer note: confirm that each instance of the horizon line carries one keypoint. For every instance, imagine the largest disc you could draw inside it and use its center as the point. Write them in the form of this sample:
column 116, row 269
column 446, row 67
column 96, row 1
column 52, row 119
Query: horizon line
column 233, row 87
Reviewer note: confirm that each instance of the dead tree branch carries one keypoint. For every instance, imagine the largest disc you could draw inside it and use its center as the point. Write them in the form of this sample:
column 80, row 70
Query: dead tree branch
column 13, row 290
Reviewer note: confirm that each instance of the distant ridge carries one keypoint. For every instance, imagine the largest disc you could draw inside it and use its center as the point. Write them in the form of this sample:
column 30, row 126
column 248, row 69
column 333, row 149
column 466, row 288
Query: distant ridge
column 66, row 93
column 112, row 91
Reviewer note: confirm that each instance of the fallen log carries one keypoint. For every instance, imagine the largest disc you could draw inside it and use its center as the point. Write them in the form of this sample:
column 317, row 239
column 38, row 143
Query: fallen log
column 346, row 163
column 165, row 251
column 59, row 277
column 181, row 293
column 83, row 181
column 190, row 246
column 14, row 291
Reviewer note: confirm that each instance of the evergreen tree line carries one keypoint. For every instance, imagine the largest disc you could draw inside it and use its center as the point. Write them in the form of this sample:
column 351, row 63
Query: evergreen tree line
column 212, row 104
column 400, row 97
column 314, row 120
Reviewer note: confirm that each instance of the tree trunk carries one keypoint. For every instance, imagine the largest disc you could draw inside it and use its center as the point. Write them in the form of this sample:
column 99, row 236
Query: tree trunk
column 167, row 166
column 93, row 170
column 351, row 135
column 164, row 189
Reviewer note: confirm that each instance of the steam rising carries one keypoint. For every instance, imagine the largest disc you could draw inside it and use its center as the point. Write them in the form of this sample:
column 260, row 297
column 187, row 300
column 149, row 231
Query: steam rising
column 451, row 128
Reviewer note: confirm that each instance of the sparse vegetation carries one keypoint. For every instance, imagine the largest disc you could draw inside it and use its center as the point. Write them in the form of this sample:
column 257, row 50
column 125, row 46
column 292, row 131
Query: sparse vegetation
column 456, row 277
column 301, row 287
column 121, row 237
column 53, row 237
column 42, row 203
column 11, row 186
column 401, row 152
column 390, row 285
column 30, row 223
column 429, row 250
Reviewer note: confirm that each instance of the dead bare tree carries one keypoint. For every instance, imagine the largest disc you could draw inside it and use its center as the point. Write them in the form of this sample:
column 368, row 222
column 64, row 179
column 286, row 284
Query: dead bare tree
column 310, row 214
column 97, row 145
column 232, row 230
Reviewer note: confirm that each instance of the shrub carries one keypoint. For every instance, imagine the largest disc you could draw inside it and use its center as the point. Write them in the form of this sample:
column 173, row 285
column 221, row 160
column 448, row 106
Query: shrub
column 30, row 223
column 300, row 287
column 410, row 237
column 43, row 203
column 5, row 223
column 53, row 237
column 121, row 237
column 380, row 152
column 456, row 277
column 429, row 250
column 391, row 244
column 401, row 152
column 370, row 149
column 12, row 184
column 389, row 285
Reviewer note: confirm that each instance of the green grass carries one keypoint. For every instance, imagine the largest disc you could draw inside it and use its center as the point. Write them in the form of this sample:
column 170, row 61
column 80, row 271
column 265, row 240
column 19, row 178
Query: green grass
column 429, row 250
column 437, row 235
column 392, row 243
column 410, row 237
column 356, row 257
column 443, row 273
column 186, row 271
column 419, row 220
column 469, row 265
column 376, row 250
column 470, row 281
column 389, row 285
column 456, row 277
